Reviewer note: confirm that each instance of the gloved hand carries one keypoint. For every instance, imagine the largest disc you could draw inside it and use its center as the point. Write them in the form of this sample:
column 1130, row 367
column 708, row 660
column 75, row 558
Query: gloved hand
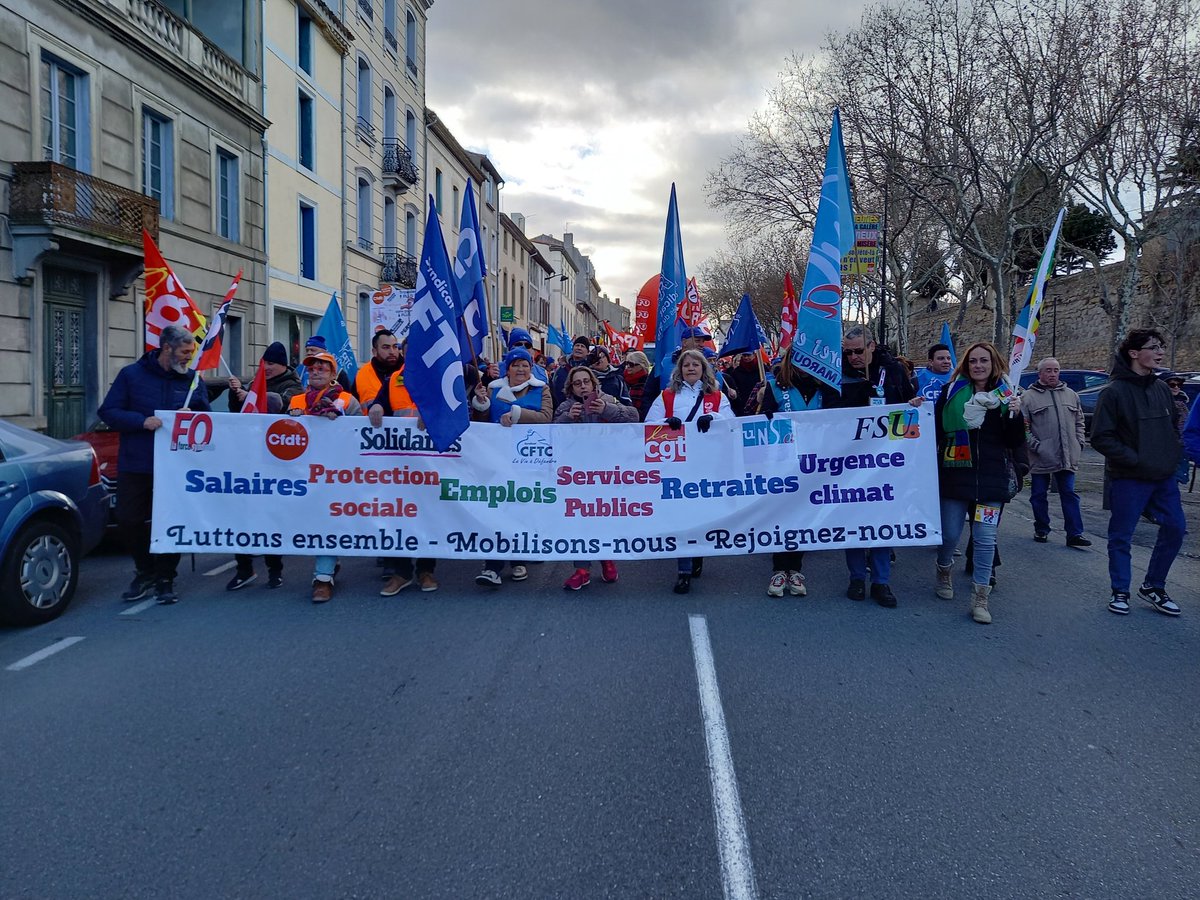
column 674, row 423
column 702, row 424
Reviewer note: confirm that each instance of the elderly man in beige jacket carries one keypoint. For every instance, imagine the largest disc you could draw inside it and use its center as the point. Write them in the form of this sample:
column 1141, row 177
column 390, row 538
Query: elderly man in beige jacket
column 1054, row 420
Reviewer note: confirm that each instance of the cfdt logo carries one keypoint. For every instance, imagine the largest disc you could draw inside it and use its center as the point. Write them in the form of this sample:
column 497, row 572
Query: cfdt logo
column 287, row 439
column 664, row 444
column 533, row 448
column 191, row 430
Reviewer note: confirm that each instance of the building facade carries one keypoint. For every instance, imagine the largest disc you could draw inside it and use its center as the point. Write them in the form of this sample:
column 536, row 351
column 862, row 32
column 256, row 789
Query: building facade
column 121, row 116
column 384, row 148
column 305, row 47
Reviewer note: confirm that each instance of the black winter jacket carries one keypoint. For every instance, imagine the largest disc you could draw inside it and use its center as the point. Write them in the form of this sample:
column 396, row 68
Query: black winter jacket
column 986, row 479
column 858, row 391
column 139, row 389
column 1134, row 426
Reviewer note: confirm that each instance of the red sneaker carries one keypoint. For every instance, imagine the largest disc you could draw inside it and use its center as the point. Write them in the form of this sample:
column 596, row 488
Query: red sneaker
column 578, row 580
column 608, row 571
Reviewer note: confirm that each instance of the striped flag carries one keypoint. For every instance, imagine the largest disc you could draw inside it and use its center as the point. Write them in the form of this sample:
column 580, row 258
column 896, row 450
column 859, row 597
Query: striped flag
column 789, row 314
column 209, row 354
column 1026, row 327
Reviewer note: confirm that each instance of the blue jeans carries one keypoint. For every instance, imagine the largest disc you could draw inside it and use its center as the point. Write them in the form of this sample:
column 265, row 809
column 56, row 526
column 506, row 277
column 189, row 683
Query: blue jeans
column 954, row 518
column 881, row 564
column 1128, row 498
column 1064, row 481
column 324, row 568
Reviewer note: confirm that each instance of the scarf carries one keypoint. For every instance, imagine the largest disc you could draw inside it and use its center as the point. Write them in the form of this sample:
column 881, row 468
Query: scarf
column 957, row 452
column 317, row 403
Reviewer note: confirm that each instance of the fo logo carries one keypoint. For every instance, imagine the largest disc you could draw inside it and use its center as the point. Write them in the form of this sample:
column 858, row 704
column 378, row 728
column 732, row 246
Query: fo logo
column 665, row 444
column 191, row 431
column 287, row 439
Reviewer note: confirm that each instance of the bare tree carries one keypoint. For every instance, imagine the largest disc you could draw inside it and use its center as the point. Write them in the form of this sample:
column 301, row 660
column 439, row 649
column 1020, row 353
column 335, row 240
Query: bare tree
column 755, row 266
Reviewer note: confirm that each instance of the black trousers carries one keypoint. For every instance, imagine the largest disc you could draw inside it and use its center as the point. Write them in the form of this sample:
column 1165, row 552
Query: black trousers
column 135, row 502
column 245, row 563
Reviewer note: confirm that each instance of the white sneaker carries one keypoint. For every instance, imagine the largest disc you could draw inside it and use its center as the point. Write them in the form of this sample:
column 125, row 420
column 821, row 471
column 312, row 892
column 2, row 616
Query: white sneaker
column 795, row 582
column 519, row 573
column 776, row 585
column 488, row 578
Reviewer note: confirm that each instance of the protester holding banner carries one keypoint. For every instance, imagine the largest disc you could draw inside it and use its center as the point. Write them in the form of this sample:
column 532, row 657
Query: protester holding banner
column 323, row 397
column 161, row 379
column 281, row 378
column 244, row 573
column 870, row 377
column 587, row 403
column 789, row 389
column 317, row 343
column 642, row 388
column 386, row 359
column 516, row 397
column 691, row 394
column 979, row 427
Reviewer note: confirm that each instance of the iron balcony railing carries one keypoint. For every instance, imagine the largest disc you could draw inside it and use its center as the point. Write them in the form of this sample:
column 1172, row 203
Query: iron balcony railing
column 391, row 39
column 399, row 268
column 365, row 129
column 398, row 160
column 49, row 193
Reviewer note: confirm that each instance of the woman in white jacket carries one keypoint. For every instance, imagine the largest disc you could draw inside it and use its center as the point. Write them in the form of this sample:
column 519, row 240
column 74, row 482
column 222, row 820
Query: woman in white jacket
column 692, row 395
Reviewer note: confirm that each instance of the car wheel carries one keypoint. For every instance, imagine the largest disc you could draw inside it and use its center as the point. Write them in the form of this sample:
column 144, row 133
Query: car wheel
column 39, row 574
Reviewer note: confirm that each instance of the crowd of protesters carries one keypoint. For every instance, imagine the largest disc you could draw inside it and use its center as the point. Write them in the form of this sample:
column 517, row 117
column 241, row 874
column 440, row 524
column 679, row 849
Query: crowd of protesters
column 989, row 437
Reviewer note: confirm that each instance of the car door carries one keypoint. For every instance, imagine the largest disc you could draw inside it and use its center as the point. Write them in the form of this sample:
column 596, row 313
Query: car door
column 13, row 486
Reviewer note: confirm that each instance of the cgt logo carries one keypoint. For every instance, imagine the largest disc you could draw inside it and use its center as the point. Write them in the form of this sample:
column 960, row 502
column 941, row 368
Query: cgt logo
column 287, row 439
column 664, row 444
column 191, row 430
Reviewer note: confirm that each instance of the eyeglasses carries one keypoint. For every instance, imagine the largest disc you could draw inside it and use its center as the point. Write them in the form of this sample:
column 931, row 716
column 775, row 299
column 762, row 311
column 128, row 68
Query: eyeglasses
column 858, row 352
column 1152, row 347
column 584, row 383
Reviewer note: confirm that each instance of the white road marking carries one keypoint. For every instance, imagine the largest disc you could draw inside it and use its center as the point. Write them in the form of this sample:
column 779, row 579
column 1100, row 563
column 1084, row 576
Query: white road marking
column 733, row 847
column 61, row 644
column 138, row 607
column 225, row 567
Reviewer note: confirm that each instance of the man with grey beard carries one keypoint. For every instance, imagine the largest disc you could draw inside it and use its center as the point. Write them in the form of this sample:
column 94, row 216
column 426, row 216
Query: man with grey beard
column 161, row 379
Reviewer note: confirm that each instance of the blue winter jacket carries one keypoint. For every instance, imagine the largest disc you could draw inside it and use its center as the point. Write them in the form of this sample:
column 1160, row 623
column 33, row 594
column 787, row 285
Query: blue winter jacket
column 139, row 389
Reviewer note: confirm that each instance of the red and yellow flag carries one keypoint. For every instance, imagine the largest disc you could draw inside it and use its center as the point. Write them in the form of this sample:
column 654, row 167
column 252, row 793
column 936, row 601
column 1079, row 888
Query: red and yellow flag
column 167, row 301
column 789, row 314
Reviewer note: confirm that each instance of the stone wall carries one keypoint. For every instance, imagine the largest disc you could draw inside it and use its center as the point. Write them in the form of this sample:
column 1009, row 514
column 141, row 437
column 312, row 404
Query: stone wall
column 1075, row 327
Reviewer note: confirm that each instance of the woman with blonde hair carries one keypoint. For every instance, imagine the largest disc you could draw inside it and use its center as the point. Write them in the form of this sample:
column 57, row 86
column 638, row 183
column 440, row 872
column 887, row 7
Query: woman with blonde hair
column 692, row 395
column 979, row 425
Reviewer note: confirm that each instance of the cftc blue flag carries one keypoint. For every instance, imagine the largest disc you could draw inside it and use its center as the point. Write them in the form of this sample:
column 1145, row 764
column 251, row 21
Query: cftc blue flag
column 672, row 288
column 559, row 339
column 817, row 347
column 745, row 334
column 433, row 369
column 949, row 342
column 337, row 340
column 470, row 269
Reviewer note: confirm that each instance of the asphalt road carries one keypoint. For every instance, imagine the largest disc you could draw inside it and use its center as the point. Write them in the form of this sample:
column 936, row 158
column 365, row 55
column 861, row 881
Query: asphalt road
column 532, row 743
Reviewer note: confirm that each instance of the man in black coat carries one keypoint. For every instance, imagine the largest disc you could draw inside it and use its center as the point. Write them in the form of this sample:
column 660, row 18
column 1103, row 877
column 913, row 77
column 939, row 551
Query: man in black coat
column 871, row 377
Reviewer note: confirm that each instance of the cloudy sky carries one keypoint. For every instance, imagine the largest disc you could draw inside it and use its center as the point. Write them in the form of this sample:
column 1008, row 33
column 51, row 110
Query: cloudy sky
column 591, row 109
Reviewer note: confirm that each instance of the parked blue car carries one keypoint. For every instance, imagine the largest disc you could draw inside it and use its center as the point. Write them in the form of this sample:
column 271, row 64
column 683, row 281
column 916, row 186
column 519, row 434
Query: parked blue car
column 52, row 512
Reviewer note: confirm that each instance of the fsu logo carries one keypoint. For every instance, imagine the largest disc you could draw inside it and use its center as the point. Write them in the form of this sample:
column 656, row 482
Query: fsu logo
column 191, row 431
column 287, row 439
column 664, row 444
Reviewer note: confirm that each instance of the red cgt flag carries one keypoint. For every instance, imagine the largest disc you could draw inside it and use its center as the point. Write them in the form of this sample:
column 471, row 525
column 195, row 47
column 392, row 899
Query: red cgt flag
column 622, row 340
column 789, row 314
column 167, row 302
column 256, row 397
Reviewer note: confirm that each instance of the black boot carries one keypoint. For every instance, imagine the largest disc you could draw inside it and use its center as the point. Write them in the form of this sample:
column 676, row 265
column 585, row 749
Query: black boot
column 683, row 583
column 697, row 566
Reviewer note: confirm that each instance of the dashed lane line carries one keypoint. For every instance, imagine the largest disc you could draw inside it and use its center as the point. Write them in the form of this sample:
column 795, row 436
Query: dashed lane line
column 60, row 644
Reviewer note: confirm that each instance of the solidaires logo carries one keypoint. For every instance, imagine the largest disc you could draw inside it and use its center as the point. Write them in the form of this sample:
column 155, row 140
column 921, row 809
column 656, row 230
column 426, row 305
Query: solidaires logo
column 287, row 439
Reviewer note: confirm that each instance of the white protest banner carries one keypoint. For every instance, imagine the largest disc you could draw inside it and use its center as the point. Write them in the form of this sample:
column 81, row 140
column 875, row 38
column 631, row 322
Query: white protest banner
column 391, row 309
column 821, row 480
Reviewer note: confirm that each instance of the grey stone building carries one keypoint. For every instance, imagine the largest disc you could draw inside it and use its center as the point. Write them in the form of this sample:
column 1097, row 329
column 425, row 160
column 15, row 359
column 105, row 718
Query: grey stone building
column 121, row 115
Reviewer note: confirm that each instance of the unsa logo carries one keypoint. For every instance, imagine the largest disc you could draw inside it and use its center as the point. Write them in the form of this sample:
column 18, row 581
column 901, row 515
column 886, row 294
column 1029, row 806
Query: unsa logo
column 287, row 439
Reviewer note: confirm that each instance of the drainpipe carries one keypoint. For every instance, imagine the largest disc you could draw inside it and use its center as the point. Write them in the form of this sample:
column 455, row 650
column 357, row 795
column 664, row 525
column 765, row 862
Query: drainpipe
column 262, row 70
